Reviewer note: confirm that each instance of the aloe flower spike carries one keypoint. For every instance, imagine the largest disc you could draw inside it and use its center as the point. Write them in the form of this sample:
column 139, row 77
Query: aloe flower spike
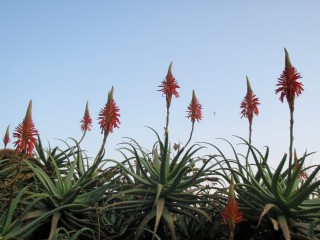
column 249, row 107
column 232, row 215
column 109, row 115
column 194, row 113
column 194, row 109
column 108, row 118
column 86, row 120
column 26, row 134
column 169, row 88
column 289, row 87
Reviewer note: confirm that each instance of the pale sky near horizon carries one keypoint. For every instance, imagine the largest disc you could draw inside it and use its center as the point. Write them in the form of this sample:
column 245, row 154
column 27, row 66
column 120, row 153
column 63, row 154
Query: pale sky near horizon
column 62, row 53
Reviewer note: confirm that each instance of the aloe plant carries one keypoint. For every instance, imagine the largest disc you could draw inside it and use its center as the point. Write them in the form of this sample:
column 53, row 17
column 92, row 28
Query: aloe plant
column 275, row 193
column 163, row 186
column 75, row 185
column 16, row 224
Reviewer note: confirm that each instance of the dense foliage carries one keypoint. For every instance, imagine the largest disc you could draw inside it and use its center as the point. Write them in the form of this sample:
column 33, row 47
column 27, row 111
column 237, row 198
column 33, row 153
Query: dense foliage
column 167, row 192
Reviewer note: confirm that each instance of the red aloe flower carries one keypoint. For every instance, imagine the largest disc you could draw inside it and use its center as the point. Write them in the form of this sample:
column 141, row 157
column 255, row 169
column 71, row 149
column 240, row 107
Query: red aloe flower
column 169, row 86
column 26, row 134
column 249, row 104
column 289, row 87
column 194, row 109
column 86, row 122
column 109, row 115
column 6, row 138
column 231, row 215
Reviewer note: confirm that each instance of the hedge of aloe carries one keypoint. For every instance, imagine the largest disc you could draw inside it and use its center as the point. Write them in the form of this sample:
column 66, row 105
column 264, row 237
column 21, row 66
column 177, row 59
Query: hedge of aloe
column 167, row 192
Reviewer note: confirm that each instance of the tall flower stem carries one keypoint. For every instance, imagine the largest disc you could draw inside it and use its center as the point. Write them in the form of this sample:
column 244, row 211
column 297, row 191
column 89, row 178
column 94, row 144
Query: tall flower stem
column 83, row 135
column 166, row 131
column 231, row 215
column 169, row 87
column 291, row 142
column 26, row 139
column 103, row 145
column 249, row 107
column 108, row 119
column 231, row 229
column 250, row 133
column 191, row 133
column 250, row 137
column 289, row 87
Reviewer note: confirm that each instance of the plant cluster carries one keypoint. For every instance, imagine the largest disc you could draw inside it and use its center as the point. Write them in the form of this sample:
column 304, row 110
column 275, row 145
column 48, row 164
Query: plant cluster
column 166, row 192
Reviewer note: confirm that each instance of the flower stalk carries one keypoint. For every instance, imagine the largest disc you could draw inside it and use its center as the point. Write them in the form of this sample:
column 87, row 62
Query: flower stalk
column 26, row 135
column 289, row 87
column 231, row 215
column 249, row 107
column 169, row 88
column 108, row 118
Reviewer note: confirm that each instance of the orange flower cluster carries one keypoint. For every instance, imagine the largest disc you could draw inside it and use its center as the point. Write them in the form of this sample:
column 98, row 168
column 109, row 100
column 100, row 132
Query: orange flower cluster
column 169, row 86
column 194, row 109
column 26, row 134
column 109, row 115
column 86, row 122
column 232, row 214
column 250, row 104
column 289, row 87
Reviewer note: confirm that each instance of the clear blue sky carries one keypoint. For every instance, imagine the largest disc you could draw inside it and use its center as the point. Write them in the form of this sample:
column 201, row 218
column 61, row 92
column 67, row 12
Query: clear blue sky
column 62, row 53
